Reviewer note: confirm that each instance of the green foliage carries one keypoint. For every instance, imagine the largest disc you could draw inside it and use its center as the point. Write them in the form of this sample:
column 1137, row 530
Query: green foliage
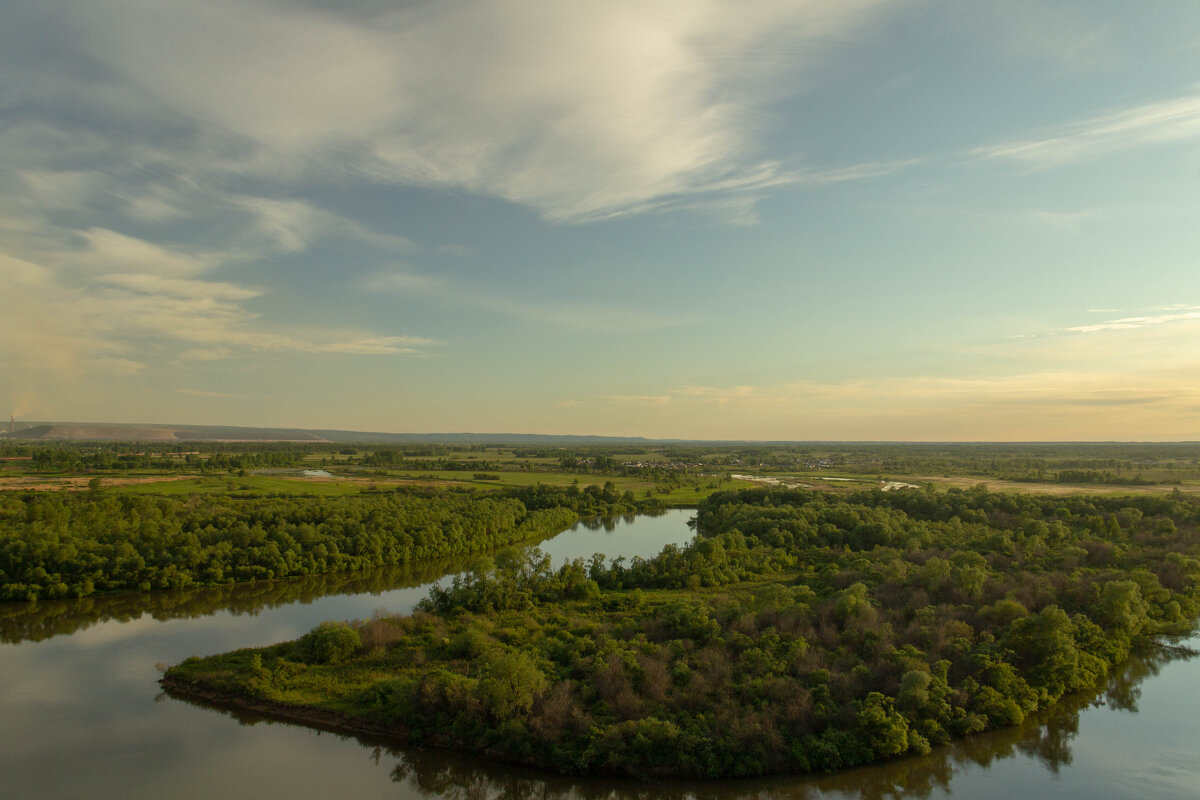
column 510, row 684
column 329, row 643
column 881, row 727
column 798, row 631
column 55, row 544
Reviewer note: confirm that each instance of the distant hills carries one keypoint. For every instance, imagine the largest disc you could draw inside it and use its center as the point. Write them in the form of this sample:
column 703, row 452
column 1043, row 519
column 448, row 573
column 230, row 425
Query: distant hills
column 116, row 432
column 140, row 432
column 106, row 432
column 478, row 438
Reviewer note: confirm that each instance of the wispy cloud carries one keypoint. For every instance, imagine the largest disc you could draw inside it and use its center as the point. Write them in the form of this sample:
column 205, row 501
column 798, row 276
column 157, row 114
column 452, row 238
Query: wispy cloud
column 108, row 250
column 733, row 200
column 1135, row 383
column 75, row 189
column 722, row 396
column 1084, row 404
column 150, row 284
column 1171, row 120
column 206, row 354
column 639, row 399
column 365, row 345
column 645, row 101
column 1031, row 29
column 569, row 315
column 207, row 393
column 291, row 226
column 251, row 226
column 1130, row 323
column 53, row 321
column 1180, row 313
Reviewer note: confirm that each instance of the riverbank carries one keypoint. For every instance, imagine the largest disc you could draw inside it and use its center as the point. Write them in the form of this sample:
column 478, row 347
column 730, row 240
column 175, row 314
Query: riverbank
column 317, row 718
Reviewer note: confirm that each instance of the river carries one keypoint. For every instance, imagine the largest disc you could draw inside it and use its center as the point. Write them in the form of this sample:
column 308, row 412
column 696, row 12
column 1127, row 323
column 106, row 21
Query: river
column 82, row 716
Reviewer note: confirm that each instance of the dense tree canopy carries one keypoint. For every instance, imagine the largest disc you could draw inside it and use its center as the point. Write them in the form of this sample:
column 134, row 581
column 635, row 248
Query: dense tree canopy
column 798, row 631
column 58, row 544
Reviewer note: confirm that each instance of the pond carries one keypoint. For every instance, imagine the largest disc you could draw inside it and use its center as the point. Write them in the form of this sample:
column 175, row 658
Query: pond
column 82, row 716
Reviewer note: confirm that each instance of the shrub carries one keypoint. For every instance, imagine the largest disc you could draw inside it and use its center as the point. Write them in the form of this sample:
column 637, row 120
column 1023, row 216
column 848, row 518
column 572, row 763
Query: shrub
column 329, row 643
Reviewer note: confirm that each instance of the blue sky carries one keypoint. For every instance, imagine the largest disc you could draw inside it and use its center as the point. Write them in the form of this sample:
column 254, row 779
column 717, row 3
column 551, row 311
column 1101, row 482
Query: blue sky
column 757, row 220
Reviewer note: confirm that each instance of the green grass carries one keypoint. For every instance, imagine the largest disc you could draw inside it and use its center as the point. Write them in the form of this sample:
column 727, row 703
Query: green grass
column 258, row 484
column 522, row 478
column 690, row 496
column 686, row 495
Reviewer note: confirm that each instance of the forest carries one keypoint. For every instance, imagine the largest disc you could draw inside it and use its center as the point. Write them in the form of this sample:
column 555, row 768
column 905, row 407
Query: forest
column 798, row 631
column 64, row 544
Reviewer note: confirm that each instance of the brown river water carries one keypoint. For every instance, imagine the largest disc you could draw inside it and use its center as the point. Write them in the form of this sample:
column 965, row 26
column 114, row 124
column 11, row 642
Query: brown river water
column 81, row 714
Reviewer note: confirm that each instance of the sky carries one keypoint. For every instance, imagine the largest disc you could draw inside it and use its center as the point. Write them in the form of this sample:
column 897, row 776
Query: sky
column 771, row 220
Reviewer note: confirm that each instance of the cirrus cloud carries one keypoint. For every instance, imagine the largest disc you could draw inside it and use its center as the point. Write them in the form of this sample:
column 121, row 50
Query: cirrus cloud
column 1172, row 120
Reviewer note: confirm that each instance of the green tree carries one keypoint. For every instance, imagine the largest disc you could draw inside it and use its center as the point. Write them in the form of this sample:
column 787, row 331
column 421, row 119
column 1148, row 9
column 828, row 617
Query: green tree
column 511, row 682
column 329, row 643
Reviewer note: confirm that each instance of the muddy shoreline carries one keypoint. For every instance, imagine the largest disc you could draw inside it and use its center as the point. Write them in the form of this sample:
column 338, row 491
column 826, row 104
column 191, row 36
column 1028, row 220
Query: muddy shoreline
column 335, row 722
column 323, row 719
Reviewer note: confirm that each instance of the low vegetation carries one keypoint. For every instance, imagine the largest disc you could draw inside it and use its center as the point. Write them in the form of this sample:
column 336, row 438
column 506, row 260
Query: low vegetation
column 679, row 474
column 799, row 631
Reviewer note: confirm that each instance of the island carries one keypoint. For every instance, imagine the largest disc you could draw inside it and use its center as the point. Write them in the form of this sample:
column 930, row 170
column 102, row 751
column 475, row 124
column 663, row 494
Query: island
column 799, row 631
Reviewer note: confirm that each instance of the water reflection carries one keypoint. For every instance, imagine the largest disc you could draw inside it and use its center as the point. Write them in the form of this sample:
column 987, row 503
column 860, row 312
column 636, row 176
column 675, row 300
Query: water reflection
column 429, row 773
column 45, row 619
column 1045, row 739
column 76, row 717
column 1124, row 689
column 609, row 524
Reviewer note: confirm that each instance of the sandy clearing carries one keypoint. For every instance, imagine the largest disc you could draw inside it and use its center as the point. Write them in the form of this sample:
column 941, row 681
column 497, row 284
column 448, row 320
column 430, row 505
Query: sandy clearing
column 75, row 483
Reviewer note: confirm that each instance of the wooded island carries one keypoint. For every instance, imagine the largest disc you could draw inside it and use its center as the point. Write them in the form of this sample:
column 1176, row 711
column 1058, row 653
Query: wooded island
column 799, row 631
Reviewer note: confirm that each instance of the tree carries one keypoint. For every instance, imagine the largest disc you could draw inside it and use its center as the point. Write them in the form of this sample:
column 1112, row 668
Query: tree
column 511, row 683
column 329, row 643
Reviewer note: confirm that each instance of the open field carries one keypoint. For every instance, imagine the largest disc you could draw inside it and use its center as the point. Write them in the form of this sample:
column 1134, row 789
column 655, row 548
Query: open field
column 1056, row 489
column 682, row 495
column 685, row 495
column 353, row 484
column 74, row 483
column 675, row 474
column 258, row 484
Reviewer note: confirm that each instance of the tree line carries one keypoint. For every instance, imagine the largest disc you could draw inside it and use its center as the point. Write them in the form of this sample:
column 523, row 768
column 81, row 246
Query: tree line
column 59, row 544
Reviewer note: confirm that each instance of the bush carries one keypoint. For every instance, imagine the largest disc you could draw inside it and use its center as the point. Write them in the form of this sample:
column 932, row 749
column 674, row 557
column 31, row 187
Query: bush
column 329, row 643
